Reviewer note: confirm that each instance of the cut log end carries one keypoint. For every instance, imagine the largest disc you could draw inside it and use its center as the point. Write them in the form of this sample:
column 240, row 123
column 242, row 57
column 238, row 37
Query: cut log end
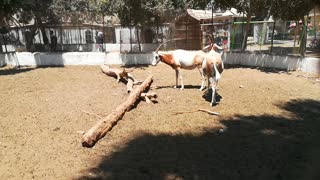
column 88, row 143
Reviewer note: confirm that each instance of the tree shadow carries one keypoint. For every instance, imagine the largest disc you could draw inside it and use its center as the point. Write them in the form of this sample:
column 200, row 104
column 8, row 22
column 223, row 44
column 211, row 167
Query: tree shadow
column 249, row 147
column 12, row 71
column 261, row 69
column 139, row 66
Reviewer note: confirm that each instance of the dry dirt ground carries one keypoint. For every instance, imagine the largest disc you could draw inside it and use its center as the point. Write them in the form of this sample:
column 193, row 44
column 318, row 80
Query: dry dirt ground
column 268, row 128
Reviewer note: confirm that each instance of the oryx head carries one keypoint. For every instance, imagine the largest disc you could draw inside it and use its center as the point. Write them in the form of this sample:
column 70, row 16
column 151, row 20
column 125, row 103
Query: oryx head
column 156, row 56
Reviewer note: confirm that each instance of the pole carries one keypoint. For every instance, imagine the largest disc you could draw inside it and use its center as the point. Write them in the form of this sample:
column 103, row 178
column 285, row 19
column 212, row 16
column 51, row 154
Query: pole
column 5, row 44
column 314, row 23
column 272, row 36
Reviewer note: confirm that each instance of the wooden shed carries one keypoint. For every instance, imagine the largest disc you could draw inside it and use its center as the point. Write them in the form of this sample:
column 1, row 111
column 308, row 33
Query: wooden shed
column 191, row 27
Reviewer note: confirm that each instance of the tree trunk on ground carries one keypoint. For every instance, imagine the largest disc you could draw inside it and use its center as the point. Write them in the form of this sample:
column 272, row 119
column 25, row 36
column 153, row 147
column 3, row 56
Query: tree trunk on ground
column 246, row 32
column 130, row 84
column 104, row 125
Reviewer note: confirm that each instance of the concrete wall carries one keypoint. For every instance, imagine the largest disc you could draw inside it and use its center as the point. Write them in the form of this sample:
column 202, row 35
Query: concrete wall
column 311, row 65
column 73, row 58
column 288, row 63
column 89, row 48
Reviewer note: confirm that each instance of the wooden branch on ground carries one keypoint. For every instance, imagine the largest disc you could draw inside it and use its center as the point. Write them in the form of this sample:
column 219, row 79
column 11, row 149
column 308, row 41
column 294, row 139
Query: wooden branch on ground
column 100, row 129
column 202, row 110
column 89, row 113
column 130, row 84
column 120, row 74
column 148, row 96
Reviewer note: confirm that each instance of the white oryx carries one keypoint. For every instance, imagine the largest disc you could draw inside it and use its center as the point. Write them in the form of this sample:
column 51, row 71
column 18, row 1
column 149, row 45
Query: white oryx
column 181, row 59
column 213, row 67
column 209, row 64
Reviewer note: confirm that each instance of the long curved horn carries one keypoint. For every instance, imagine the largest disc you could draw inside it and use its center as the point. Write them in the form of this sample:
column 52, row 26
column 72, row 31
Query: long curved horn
column 211, row 38
column 163, row 44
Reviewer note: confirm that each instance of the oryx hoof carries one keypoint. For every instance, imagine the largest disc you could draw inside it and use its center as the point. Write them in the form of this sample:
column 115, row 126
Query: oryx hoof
column 213, row 103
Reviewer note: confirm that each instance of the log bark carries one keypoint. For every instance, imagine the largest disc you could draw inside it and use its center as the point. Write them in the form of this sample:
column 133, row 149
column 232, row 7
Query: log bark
column 104, row 125
column 130, row 84
column 119, row 74
column 148, row 96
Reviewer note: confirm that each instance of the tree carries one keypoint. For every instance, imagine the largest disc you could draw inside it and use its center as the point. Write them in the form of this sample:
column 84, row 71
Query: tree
column 39, row 12
column 259, row 8
column 295, row 10
column 140, row 13
column 7, row 9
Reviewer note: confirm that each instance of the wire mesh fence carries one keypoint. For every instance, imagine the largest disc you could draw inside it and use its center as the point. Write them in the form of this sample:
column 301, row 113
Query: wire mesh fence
column 277, row 37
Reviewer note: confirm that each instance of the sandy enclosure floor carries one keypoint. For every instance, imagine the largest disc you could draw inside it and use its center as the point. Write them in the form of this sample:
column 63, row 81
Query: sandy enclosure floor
column 270, row 126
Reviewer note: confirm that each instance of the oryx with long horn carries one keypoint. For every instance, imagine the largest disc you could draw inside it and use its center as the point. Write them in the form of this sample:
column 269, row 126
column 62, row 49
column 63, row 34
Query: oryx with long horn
column 213, row 67
column 181, row 59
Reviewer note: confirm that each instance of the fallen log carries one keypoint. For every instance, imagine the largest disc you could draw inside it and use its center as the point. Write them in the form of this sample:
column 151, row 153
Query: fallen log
column 104, row 125
column 148, row 96
column 119, row 74
column 130, row 84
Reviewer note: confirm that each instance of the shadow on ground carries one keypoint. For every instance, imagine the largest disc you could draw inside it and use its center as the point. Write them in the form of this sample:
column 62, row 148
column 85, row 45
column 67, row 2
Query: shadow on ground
column 250, row 147
column 13, row 71
column 18, row 70
column 262, row 69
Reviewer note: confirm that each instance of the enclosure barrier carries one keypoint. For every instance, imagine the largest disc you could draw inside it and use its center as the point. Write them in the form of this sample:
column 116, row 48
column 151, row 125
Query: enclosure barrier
column 287, row 63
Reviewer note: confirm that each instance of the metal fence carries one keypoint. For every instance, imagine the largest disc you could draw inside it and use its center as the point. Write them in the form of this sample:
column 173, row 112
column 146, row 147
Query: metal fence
column 278, row 37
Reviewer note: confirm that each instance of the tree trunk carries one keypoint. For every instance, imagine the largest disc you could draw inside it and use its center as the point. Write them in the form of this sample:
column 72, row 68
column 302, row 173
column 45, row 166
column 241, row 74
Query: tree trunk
column 303, row 43
column 138, row 38
column 245, row 36
column 1, row 47
column 272, row 36
column 104, row 125
column 264, row 37
column 44, row 36
column 5, row 44
column 296, row 31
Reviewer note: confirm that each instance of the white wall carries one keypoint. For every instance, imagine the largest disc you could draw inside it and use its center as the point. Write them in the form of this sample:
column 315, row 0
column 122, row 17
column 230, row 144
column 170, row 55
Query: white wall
column 288, row 63
column 73, row 58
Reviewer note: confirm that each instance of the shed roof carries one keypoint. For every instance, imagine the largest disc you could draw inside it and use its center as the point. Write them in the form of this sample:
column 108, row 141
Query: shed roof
column 207, row 14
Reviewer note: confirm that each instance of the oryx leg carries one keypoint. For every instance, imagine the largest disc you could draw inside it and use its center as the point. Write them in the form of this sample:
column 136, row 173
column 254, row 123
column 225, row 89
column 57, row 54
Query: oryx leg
column 177, row 76
column 213, row 87
column 214, row 78
column 181, row 80
column 203, row 79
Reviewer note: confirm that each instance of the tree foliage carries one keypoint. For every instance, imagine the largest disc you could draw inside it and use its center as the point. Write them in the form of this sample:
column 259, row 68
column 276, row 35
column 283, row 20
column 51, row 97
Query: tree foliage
column 141, row 12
